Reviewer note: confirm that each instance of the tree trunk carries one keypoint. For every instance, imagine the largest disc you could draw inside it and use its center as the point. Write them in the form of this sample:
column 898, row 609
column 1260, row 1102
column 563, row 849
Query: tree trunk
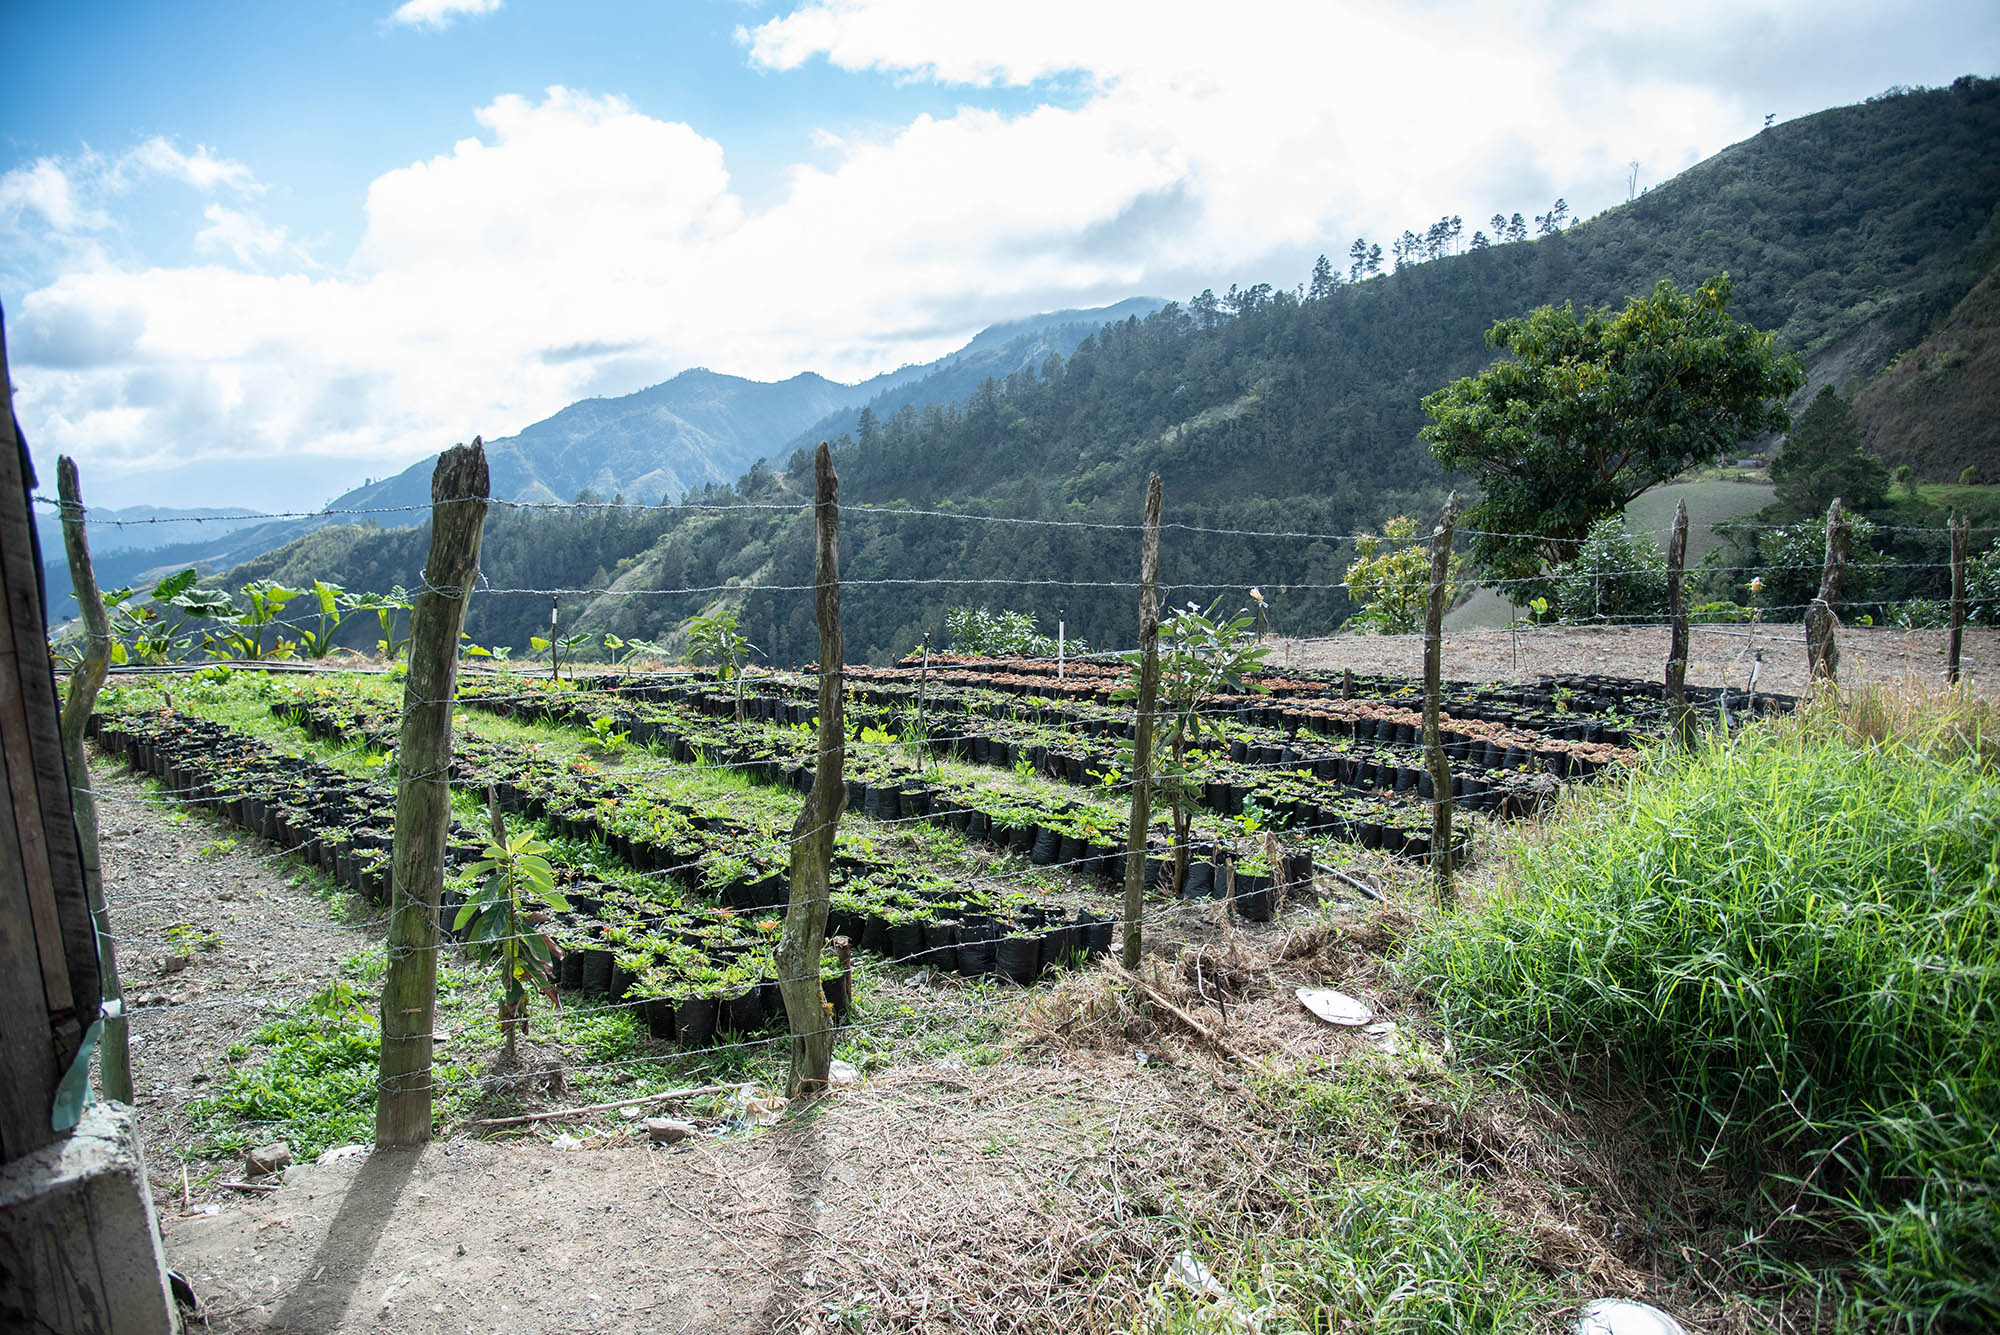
column 1440, row 765
column 803, row 937
column 1142, row 743
column 423, row 796
column 114, row 1054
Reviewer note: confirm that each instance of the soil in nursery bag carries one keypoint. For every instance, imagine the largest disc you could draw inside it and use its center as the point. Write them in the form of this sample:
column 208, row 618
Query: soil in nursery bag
column 660, row 1017
column 1200, row 880
column 1019, row 956
column 906, row 940
column 1255, row 899
column 694, row 1022
column 976, row 948
column 742, row 1012
column 1047, row 847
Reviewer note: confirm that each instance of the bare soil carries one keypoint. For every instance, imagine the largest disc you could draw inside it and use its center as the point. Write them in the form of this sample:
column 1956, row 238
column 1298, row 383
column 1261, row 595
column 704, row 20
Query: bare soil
column 217, row 932
column 1717, row 655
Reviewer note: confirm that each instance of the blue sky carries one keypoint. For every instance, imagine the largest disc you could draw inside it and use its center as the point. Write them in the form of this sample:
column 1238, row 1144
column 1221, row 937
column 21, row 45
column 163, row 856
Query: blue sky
column 252, row 253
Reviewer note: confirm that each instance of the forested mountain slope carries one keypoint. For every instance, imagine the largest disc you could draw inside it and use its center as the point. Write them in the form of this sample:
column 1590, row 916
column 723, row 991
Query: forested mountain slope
column 1937, row 408
column 1854, row 233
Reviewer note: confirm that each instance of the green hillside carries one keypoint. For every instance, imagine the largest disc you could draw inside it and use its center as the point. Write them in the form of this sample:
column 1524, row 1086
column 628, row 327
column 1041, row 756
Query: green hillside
column 1937, row 408
column 1854, row 233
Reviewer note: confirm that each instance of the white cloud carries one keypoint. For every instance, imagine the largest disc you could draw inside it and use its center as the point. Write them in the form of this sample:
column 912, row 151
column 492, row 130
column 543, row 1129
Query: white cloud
column 43, row 187
column 440, row 13
column 200, row 169
column 71, row 195
column 575, row 244
column 241, row 234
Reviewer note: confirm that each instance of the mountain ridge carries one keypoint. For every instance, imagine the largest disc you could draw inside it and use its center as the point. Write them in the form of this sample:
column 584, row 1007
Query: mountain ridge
column 700, row 428
column 1853, row 234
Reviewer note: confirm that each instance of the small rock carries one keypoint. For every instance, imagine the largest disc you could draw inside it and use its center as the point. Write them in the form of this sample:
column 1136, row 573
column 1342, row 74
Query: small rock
column 340, row 1152
column 272, row 1158
column 667, row 1131
column 839, row 1073
column 173, row 964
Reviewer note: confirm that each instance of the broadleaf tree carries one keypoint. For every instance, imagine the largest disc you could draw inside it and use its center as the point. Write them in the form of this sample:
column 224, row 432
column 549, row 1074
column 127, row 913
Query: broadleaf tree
column 1584, row 413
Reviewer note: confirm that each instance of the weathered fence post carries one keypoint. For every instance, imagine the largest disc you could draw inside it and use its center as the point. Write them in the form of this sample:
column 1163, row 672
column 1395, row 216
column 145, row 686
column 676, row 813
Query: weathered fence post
column 1142, row 739
column 923, row 684
column 1679, row 718
column 1822, row 653
column 1961, row 543
column 1440, row 765
column 114, row 1054
column 804, row 934
column 459, row 488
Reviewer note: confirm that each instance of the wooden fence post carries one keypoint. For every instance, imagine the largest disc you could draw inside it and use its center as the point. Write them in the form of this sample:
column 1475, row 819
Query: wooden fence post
column 1822, row 653
column 1440, row 765
column 114, row 1053
column 1679, row 719
column 1142, row 740
column 459, row 488
column 803, row 937
column 1961, row 543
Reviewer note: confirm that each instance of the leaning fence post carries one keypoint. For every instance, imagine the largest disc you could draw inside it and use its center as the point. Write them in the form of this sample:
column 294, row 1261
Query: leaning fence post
column 803, row 937
column 1679, row 719
column 1433, row 691
column 1142, row 738
column 114, row 1056
column 459, row 489
column 1961, row 542
column 1822, row 653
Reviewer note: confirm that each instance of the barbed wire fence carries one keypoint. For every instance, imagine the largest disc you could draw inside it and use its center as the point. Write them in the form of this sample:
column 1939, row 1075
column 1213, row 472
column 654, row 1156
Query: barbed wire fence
column 1749, row 634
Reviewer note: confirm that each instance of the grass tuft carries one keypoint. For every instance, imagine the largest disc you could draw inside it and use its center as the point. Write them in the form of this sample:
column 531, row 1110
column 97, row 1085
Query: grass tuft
column 1790, row 944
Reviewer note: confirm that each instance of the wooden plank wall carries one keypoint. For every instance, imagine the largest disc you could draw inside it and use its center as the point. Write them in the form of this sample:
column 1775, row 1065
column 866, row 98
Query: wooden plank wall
column 48, row 958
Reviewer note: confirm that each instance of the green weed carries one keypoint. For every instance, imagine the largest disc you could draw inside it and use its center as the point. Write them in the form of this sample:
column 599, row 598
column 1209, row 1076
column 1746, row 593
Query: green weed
column 1790, row 945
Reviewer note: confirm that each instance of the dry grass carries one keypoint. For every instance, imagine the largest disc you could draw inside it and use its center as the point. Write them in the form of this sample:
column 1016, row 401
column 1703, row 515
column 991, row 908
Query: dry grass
column 1916, row 713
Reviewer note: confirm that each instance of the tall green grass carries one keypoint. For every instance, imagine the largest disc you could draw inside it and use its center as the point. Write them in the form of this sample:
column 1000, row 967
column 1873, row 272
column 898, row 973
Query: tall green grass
column 1790, row 945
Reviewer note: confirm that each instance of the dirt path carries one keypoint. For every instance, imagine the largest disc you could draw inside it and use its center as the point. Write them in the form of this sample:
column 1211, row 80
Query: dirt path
column 1717, row 655
column 217, row 933
column 908, row 1204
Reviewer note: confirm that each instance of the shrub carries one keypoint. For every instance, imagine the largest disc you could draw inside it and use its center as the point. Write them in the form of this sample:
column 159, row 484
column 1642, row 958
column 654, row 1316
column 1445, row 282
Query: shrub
column 1002, row 634
column 1982, row 587
column 1793, row 557
column 1615, row 577
column 1918, row 613
column 1391, row 578
column 1788, row 945
column 1720, row 613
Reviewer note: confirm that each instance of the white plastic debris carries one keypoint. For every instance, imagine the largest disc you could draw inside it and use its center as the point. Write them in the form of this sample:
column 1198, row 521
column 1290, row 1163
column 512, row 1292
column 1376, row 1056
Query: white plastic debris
column 1335, row 1007
column 754, row 1111
column 1623, row 1316
column 1383, row 1035
column 1187, row 1270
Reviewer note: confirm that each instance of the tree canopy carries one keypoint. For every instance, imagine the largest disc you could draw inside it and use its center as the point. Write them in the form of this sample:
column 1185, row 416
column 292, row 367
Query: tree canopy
column 1585, row 413
column 1822, row 458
